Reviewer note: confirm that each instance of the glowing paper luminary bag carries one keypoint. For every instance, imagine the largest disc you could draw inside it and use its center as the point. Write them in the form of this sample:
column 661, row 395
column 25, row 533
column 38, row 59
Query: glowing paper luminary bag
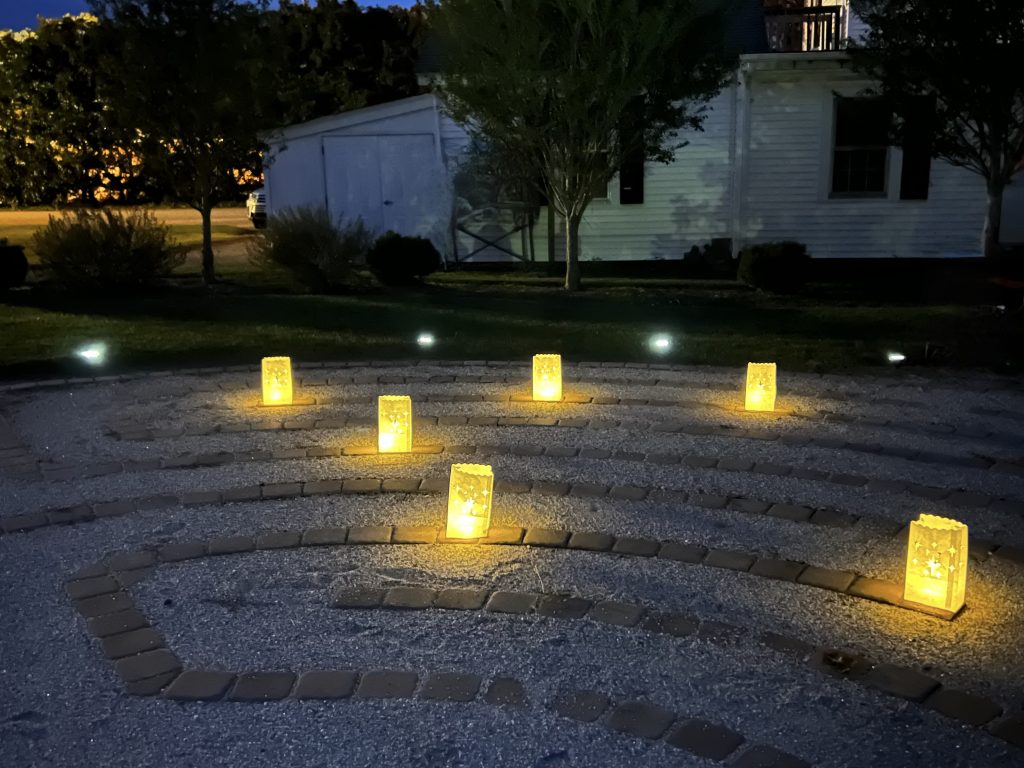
column 936, row 563
column 760, row 387
column 394, row 424
column 547, row 377
column 277, row 381
column 470, row 491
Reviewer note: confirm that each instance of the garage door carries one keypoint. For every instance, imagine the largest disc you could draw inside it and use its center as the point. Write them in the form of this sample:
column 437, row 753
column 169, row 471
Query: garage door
column 387, row 180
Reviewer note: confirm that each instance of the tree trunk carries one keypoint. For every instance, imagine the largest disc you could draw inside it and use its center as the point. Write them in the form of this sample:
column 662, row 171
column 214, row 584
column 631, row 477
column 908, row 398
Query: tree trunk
column 572, row 253
column 208, row 275
column 993, row 220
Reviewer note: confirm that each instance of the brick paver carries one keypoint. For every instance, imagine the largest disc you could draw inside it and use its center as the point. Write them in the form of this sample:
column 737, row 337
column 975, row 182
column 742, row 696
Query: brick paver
column 199, row 685
column 585, row 706
column 326, row 684
column 705, row 739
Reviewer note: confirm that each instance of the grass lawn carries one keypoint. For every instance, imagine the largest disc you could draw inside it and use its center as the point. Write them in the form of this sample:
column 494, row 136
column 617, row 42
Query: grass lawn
column 185, row 225
column 497, row 317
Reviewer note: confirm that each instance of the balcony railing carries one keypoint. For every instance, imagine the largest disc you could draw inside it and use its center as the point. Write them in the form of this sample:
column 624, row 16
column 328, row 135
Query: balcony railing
column 819, row 28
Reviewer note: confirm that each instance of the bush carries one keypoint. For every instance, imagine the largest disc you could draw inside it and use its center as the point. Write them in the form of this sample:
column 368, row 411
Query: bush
column 13, row 266
column 313, row 249
column 106, row 251
column 397, row 259
column 775, row 267
column 713, row 261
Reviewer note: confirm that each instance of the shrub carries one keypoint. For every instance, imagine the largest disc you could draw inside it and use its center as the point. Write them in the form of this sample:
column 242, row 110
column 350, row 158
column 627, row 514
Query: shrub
column 396, row 259
column 714, row 260
column 312, row 248
column 13, row 266
column 775, row 267
column 106, row 251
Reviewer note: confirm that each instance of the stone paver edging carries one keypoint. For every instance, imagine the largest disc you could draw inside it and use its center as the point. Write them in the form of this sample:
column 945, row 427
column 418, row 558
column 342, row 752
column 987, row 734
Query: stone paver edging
column 844, row 582
column 955, row 497
column 981, row 548
column 132, row 432
column 100, row 594
column 1006, row 385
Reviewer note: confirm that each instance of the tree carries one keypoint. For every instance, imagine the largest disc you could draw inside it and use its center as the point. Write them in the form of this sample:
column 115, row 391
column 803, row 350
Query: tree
column 336, row 56
column 55, row 146
column 575, row 88
column 187, row 77
column 963, row 59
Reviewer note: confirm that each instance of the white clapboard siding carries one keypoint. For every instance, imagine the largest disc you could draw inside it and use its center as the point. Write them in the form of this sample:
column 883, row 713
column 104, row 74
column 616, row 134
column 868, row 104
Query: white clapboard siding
column 788, row 183
column 686, row 202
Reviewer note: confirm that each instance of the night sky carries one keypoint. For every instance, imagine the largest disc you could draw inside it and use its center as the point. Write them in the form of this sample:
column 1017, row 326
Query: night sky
column 21, row 14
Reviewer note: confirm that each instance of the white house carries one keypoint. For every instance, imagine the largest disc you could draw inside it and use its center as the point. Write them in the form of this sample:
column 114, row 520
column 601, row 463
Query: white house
column 788, row 151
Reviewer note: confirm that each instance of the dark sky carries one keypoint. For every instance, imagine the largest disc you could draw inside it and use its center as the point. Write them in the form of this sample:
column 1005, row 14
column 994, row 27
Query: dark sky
column 20, row 14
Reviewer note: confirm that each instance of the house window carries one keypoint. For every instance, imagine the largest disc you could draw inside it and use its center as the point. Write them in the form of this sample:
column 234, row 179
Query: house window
column 861, row 150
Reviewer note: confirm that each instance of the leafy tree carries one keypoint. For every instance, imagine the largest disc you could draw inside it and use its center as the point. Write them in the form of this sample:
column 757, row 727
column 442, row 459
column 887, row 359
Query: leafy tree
column 573, row 88
column 187, row 77
column 55, row 146
column 965, row 59
column 336, row 56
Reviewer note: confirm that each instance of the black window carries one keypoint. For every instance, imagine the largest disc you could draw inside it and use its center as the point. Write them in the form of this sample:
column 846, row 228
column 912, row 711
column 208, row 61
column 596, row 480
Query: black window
column 917, row 150
column 861, row 149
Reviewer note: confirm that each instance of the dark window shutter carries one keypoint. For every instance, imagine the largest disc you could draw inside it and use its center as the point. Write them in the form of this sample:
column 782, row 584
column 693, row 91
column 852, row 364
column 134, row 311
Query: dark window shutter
column 631, row 174
column 917, row 151
column 631, row 179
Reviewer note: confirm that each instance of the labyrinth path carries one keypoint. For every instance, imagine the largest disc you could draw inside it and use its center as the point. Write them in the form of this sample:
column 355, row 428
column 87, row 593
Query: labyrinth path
column 189, row 577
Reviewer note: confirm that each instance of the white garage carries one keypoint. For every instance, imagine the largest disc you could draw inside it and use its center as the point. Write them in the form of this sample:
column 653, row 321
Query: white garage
column 385, row 164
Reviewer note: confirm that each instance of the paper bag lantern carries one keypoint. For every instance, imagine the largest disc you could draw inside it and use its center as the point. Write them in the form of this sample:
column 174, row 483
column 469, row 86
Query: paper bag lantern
column 547, row 377
column 394, row 424
column 760, row 387
column 469, row 501
column 277, row 381
column 936, row 563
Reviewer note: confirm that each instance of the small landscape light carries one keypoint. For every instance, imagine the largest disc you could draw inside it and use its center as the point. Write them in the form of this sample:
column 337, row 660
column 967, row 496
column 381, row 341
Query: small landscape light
column 277, row 381
column 660, row 343
column 394, row 424
column 895, row 357
column 470, row 491
column 425, row 339
column 93, row 354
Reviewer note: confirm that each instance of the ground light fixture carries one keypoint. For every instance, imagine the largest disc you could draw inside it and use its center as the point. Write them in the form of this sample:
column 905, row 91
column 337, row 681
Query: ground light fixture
column 660, row 343
column 425, row 339
column 760, row 387
column 93, row 354
column 394, row 424
column 895, row 357
column 547, row 378
column 277, row 381
column 936, row 563
column 470, row 491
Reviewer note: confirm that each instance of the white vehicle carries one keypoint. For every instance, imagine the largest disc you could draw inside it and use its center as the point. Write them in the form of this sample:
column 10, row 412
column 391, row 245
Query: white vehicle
column 256, row 207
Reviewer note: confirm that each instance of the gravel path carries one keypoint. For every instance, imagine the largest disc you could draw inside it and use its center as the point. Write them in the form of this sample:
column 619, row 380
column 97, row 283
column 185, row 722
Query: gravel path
column 63, row 705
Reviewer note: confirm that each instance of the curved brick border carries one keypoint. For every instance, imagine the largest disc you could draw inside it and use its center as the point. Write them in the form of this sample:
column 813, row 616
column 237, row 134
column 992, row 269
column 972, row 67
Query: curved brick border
column 844, row 582
column 100, row 594
column 935, row 430
column 1007, row 385
column 981, row 549
column 132, row 431
column 956, row 497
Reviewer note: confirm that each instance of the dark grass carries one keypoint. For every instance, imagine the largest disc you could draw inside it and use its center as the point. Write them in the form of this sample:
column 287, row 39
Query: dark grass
column 502, row 317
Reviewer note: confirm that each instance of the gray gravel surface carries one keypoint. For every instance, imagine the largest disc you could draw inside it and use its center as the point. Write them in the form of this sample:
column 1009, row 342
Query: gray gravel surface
column 61, row 704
